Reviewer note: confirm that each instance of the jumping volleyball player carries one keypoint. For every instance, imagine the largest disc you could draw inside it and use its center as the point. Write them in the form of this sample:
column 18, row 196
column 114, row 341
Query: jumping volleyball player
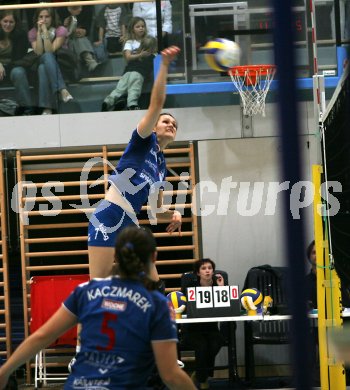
column 141, row 167
column 126, row 326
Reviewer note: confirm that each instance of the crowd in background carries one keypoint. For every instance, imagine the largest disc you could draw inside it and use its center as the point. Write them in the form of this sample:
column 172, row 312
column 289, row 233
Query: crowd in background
column 42, row 50
column 79, row 42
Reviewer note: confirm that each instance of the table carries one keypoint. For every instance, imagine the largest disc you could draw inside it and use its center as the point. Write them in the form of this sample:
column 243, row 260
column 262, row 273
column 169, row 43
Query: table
column 232, row 351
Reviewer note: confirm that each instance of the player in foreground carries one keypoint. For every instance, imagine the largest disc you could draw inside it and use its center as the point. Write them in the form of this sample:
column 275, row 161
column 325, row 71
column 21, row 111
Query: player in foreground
column 126, row 326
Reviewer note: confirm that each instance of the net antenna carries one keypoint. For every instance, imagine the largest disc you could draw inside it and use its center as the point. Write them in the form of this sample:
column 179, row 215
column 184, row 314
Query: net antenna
column 253, row 84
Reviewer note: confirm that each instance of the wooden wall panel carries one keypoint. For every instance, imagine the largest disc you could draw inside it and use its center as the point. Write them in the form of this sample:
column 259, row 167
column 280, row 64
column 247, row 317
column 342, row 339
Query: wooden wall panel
column 5, row 318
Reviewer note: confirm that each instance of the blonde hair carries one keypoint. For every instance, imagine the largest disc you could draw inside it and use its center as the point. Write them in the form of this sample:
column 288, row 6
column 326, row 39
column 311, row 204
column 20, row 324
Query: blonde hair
column 149, row 43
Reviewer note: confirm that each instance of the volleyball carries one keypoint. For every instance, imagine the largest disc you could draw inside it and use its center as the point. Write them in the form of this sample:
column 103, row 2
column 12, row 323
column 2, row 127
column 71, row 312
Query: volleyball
column 222, row 54
column 177, row 298
column 251, row 299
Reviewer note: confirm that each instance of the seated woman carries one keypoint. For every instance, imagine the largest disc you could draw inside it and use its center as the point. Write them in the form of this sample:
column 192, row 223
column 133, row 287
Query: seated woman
column 205, row 338
column 46, row 37
column 13, row 47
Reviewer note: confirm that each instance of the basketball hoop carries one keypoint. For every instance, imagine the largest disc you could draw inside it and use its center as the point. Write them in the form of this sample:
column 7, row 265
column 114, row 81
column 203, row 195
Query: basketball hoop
column 253, row 83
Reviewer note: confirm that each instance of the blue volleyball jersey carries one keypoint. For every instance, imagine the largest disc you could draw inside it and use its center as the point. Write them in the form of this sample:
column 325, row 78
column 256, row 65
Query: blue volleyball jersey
column 119, row 321
column 145, row 158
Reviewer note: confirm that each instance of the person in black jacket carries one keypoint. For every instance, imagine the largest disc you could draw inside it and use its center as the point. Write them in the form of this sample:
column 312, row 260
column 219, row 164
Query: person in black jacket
column 13, row 47
column 205, row 338
column 312, row 282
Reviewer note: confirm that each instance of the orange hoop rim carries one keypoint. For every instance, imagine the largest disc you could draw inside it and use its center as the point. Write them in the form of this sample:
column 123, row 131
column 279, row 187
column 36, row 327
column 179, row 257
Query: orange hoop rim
column 242, row 70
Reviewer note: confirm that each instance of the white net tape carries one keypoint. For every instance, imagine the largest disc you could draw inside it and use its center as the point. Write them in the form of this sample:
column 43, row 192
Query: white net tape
column 253, row 87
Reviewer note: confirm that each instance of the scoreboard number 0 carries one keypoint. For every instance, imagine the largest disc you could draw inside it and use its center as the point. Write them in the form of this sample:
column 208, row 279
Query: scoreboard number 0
column 234, row 292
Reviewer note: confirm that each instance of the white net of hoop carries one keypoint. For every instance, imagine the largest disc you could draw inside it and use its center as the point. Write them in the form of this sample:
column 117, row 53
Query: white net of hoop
column 253, row 87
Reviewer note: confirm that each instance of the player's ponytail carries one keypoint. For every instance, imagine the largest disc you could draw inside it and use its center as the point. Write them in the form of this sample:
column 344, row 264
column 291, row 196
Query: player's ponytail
column 134, row 250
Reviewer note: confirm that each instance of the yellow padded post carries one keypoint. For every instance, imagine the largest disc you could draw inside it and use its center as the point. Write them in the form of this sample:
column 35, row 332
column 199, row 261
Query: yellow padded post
column 332, row 373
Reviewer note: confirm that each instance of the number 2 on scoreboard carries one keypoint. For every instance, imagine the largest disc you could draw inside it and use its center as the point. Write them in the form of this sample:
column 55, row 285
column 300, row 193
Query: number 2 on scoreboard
column 191, row 294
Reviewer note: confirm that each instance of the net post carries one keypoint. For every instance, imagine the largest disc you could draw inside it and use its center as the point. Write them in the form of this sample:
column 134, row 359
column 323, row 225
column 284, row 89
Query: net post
column 319, row 96
column 314, row 36
column 319, row 101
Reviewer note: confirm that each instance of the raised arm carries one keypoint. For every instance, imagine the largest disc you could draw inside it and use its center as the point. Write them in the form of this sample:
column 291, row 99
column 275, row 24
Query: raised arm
column 158, row 94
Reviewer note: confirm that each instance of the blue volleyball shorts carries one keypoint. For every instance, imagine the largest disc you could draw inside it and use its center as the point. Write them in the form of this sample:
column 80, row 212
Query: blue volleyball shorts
column 106, row 223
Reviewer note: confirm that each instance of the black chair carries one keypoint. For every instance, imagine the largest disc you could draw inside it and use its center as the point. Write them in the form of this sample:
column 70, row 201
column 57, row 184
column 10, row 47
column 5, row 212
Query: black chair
column 270, row 281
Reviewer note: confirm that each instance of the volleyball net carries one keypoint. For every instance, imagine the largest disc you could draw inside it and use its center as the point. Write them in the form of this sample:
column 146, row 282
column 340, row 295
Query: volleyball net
column 335, row 127
column 332, row 233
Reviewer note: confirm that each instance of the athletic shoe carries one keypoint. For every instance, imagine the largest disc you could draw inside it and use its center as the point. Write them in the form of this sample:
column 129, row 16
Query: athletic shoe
column 181, row 364
column 71, row 364
column 65, row 96
column 131, row 108
column 120, row 104
column 106, row 107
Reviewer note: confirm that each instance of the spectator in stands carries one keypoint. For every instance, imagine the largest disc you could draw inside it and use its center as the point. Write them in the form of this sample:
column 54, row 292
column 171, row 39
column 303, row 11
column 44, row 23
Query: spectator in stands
column 77, row 21
column 13, row 47
column 140, row 172
column 127, row 327
column 205, row 338
column 46, row 38
column 147, row 11
column 111, row 23
column 139, row 66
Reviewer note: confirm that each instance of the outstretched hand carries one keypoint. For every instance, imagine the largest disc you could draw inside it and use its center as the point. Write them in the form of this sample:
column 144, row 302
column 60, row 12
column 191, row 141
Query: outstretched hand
column 175, row 223
column 169, row 54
